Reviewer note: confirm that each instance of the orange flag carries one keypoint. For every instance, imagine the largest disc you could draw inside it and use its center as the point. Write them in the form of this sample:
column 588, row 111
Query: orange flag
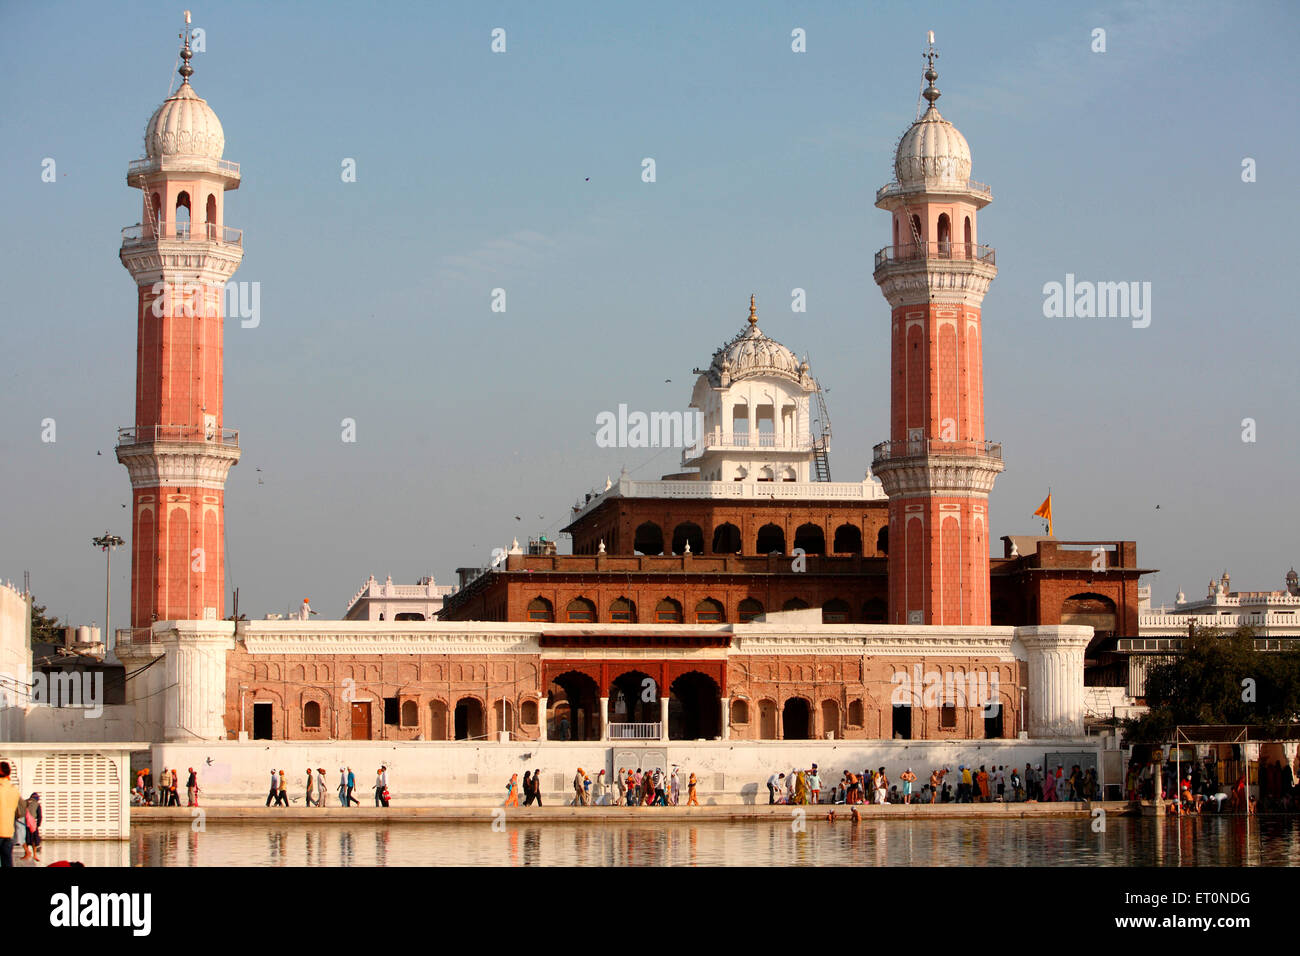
column 1045, row 512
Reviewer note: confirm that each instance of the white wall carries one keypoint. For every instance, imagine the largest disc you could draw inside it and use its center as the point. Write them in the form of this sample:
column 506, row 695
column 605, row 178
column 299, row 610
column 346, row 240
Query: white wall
column 434, row 773
column 15, row 658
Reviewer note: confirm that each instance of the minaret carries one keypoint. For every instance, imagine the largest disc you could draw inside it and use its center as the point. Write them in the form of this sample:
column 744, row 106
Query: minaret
column 936, row 468
column 178, row 452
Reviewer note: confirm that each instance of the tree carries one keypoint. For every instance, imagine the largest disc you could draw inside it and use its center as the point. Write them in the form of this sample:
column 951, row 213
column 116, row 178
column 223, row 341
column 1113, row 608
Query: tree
column 1220, row 678
column 45, row 629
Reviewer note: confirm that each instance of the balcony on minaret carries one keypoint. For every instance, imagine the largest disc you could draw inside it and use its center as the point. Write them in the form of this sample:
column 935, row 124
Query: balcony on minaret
column 945, row 255
column 142, row 234
column 205, row 434
column 888, row 451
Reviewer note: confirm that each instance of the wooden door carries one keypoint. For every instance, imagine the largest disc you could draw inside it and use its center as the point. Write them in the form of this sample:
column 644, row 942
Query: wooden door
column 361, row 720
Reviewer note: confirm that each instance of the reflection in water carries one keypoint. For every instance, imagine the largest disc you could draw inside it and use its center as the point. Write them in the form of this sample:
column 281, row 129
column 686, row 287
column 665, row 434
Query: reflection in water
column 1187, row 841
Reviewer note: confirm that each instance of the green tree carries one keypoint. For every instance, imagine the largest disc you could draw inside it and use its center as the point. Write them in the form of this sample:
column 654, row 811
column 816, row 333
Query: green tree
column 44, row 627
column 1220, row 678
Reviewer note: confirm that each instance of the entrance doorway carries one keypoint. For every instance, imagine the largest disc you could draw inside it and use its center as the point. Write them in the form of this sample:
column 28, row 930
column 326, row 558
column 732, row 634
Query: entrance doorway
column 361, row 720
column 694, row 708
column 795, row 719
column 571, row 708
column 902, row 729
column 469, row 719
column 262, row 720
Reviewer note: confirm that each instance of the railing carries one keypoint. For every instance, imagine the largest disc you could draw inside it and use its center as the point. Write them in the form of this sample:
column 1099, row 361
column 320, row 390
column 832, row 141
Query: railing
column 140, row 435
column 915, row 448
column 141, row 165
column 720, row 439
column 139, row 234
column 135, row 635
column 630, row 731
column 896, row 188
column 917, row 251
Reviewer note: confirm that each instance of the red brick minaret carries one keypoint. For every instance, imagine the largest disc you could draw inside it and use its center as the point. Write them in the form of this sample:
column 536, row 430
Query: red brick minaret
column 178, row 453
column 936, row 467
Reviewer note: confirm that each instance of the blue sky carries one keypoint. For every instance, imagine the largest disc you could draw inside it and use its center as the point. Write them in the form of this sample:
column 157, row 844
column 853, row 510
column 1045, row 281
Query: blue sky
column 522, row 171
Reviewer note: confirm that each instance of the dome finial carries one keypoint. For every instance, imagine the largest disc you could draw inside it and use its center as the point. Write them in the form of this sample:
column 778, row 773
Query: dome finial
column 753, row 311
column 186, row 71
column 931, row 92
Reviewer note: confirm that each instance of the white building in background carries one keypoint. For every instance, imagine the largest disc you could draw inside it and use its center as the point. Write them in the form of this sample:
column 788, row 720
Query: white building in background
column 397, row 602
column 1273, row 615
column 15, row 657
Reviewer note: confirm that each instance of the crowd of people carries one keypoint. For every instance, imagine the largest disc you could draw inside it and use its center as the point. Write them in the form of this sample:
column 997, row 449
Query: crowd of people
column 166, row 793
column 628, row 788
column 1200, row 789
column 992, row 783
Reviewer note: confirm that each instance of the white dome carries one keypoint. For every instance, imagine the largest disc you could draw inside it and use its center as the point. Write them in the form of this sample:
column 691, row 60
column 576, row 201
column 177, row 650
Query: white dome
column 184, row 126
column 932, row 151
column 753, row 353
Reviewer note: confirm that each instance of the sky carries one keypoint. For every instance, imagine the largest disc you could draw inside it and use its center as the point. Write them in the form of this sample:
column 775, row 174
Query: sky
column 522, row 170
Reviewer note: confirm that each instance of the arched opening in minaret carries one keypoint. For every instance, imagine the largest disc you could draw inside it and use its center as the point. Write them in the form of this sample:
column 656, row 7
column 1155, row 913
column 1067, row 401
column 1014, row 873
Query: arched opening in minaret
column 726, row 539
column 848, row 539
column 895, row 232
column 945, row 235
column 969, row 239
column 765, row 421
column 917, row 234
column 210, row 216
column 183, row 215
column 649, row 539
column 688, row 532
column 740, row 424
column 771, row 540
column 811, row 538
column 155, row 214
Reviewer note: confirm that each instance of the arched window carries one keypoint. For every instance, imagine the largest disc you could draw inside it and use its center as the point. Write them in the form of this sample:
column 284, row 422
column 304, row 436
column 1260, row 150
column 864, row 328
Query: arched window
column 740, row 711
column 183, row 216
column 749, row 609
column 766, row 474
column 688, row 533
column 649, row 539
column 410, row 714
column 895, row 232
column 726, row 539
column 311, row 715
column 210, row 216
column 539, row 609
column 848, row 539
column 882, row 540
column 155, row 214
column 811, row 538
column 709, row 611
column 835, row 612
column 945, row 235
column 875, row 611
column 794, row 604
column 969, row 239
column 771, row 539
column 916, row 228
column 622, row 611
column 668, row 611
column 855, row 713
column 580, row 611
column 528, row 712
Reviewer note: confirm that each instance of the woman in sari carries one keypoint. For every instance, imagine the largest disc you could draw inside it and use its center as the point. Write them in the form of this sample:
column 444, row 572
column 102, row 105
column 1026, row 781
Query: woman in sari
column 512, row 791
column 691, row 801
column 800, row 789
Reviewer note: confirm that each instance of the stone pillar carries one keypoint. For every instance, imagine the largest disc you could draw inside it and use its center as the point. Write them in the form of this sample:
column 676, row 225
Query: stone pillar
column 1054, row 655
column 726, row 718
column 663, row 716
column 541, row 716
column 194, row 705
column 604, row 718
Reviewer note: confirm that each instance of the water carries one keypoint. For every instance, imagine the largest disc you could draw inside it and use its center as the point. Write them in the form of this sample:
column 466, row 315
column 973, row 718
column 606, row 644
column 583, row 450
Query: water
column 1191, row 841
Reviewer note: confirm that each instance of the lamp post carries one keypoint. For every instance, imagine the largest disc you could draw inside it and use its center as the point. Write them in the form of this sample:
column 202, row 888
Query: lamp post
column 107, row 543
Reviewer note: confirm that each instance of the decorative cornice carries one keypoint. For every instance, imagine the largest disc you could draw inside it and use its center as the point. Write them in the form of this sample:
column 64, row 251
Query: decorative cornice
column 947, row 281
column 920, row 476
column 178, row 464
column 154, row 260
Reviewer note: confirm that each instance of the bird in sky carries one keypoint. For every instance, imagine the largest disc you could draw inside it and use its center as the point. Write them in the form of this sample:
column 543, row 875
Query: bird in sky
column 99, row 453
